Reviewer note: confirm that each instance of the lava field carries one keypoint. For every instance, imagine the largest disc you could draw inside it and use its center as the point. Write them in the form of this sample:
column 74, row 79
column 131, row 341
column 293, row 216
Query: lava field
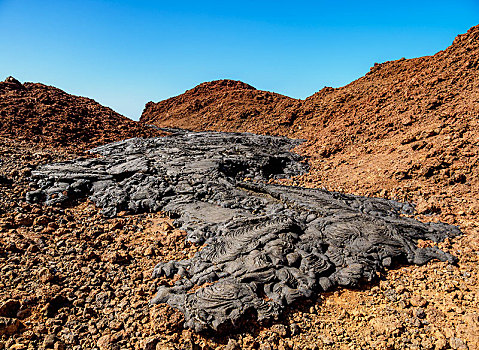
column 265, row 245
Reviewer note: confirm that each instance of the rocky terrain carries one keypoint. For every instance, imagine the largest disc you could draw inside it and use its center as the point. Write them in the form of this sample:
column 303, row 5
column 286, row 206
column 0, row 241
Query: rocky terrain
column 407, row 130
column 75, row 279
column 261, row 240
column 44, row 114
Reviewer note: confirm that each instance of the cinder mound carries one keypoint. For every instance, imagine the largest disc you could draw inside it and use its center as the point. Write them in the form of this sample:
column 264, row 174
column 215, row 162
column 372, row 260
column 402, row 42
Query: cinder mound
column 267, row 245
column 224, row 105
column 393, row 95
column 41, row 113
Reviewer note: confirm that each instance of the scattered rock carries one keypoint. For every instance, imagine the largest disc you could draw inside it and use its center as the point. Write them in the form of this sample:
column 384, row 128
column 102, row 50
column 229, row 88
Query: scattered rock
column 9, row 326
column 9, row 308
column 49, row 341
column 45, row 275
column 367, row 159
column 232, row 345
column 418, row 301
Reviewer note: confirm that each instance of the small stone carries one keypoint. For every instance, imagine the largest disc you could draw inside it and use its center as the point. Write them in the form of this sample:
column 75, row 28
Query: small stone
column 149, row 251
column 52, row 226
column 23, row 220
column 32, row 248
column 45, row 275
column 280, row 329
column 52, row 307
column 104, row 342
column 232, row 345
column 166, row 226
column 426, row 343
column 9, row 326
column 149, row 343
column 294, row 329
column 165, row 320
column 457, row 343
column 441, row 343
column 418, row 301
column 24, row 313
column 115, row 257
column 41, row 220
column 59, row 346
column 9, row 308
column 283, row 346
column 49, row 341
column 327, row 340
column 419, row 313
column 386, row 326
column 265, row 346
column 69, row 337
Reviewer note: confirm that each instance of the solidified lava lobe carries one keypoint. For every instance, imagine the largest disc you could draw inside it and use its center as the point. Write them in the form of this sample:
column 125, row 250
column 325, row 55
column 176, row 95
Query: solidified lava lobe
column 285, row 243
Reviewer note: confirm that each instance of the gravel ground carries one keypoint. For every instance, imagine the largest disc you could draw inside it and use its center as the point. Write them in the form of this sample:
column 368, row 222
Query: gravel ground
column 72, row 279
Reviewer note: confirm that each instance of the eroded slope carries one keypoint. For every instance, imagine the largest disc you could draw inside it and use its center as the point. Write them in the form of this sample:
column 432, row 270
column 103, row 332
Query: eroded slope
column 39, row 113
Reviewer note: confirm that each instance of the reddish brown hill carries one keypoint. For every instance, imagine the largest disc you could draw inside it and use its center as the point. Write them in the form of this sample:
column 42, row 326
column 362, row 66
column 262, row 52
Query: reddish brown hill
column 41, row 113
column 412, row 88
column 225, row 104
column 408, row 129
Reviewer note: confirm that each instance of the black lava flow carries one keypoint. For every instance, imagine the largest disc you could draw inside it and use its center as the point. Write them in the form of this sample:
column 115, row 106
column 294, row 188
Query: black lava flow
column 266, row 246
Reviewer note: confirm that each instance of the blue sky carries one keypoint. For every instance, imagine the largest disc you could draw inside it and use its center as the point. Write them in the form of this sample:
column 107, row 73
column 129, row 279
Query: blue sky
column 126, row 53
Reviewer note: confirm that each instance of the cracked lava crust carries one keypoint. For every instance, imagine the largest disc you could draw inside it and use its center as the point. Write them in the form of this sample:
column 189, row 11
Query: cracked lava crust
column 265, row 245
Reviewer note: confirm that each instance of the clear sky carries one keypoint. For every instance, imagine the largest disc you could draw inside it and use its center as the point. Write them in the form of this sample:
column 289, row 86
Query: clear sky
column 126, row 53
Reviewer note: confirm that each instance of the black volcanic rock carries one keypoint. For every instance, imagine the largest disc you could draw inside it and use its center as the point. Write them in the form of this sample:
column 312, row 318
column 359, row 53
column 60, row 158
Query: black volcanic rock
column 267, row 245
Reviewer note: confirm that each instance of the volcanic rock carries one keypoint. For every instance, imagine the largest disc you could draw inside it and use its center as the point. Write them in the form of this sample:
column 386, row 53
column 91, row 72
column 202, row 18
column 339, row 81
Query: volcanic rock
column 9, row 326
column 9, row 308
column 266, row 245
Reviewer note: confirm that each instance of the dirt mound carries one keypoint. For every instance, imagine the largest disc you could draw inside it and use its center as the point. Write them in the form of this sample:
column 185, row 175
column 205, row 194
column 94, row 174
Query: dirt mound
column 405, row 130
column 41, row 113
column 401, row 91
column 225, row 104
